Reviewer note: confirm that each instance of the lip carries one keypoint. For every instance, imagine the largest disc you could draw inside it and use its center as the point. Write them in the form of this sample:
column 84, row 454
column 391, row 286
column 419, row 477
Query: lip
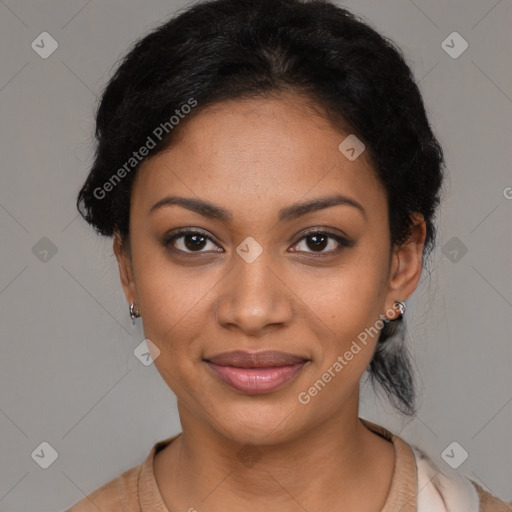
column 256, row 372
column 262, row 359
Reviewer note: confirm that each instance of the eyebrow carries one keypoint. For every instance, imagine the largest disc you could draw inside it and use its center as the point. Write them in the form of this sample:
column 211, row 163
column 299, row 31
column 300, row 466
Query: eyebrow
column 207, row 209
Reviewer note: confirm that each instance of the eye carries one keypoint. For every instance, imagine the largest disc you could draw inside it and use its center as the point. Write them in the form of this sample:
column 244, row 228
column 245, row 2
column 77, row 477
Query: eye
column 190, row 241
column 318, row 241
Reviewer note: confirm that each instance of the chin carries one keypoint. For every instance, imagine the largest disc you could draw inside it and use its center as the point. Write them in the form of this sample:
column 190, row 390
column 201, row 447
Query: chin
column 258, row 423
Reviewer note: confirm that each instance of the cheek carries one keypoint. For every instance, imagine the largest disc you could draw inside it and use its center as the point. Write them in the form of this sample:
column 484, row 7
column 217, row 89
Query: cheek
column 345, row 298
column 345, row 333
column 343, row 311
column 175, row 304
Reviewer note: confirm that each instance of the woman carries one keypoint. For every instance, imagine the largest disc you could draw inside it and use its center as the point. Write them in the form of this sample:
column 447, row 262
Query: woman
column 270, row 179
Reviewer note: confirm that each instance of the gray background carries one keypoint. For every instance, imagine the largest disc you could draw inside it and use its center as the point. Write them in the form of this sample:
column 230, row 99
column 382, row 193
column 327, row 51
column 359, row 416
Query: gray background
column 68, row 373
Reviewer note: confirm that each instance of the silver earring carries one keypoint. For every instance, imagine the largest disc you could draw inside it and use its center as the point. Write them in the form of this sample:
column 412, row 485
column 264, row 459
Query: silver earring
column 401, row 307
column 133, row 312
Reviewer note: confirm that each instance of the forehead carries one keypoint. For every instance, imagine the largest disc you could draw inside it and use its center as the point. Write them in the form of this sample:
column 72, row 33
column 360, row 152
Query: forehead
column 253, row 152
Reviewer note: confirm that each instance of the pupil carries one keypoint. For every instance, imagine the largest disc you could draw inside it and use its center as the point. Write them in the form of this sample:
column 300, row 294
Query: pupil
column 197, row 244
column 320, row 241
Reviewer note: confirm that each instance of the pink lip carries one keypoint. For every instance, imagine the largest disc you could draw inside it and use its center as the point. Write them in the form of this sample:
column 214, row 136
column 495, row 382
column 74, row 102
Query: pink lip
column 256, row 372
column 256, row 381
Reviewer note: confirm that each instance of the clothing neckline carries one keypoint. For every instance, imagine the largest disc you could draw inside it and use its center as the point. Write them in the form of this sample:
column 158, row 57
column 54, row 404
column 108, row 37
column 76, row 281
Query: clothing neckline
column 402, row 493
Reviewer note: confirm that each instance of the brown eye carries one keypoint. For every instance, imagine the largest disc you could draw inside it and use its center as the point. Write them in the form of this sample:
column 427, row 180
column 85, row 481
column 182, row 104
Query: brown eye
column 189, row 241
column 319, row 241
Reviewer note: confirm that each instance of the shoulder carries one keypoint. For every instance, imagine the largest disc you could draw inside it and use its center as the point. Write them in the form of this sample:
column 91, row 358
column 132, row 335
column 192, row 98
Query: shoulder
column 118, row 495
column 446, row 489
column 489, row 502
column 125, row 492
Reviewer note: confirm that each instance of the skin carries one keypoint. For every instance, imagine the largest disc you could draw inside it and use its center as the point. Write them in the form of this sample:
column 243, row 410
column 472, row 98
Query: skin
column 254, row 157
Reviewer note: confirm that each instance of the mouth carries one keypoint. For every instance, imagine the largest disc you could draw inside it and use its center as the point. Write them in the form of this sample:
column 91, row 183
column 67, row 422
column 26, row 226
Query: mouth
column 258, row 372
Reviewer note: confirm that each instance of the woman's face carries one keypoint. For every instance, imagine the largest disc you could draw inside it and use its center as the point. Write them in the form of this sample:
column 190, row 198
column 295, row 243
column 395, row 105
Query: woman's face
column 258, row 276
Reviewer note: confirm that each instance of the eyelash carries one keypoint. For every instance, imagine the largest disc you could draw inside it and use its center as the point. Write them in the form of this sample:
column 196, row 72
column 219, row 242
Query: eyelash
column 343, row 242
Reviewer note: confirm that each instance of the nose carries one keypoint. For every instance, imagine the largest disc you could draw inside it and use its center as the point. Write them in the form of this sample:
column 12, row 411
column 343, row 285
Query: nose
column 254, row 299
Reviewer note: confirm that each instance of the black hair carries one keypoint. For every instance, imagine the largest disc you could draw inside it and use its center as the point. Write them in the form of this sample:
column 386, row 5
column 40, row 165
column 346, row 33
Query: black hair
column 228, row 49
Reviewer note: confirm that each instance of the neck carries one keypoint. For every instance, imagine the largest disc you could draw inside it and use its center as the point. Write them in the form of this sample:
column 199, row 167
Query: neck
column 336, row 464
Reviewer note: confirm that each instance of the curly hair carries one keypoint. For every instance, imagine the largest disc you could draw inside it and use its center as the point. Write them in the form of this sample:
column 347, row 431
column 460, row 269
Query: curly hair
column 227, row 49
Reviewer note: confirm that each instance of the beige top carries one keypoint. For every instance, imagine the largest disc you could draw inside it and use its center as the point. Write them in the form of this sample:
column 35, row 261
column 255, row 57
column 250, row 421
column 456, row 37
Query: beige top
column 136, row 489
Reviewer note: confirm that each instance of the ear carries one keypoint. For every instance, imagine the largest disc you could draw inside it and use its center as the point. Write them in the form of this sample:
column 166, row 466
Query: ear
column 406, row 264
column 122, row 253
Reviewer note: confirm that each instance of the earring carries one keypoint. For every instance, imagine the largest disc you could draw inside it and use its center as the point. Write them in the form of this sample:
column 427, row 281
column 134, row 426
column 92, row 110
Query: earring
column 401, row 307
column 133, row 313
